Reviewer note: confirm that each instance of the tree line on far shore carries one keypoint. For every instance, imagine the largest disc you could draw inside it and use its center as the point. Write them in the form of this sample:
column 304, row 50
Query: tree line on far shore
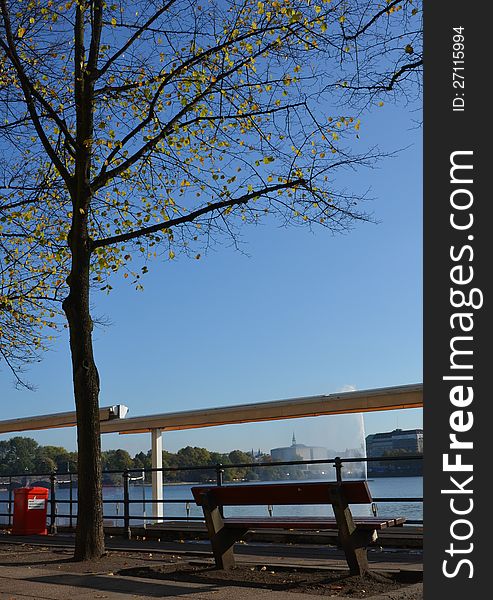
column 23, row 456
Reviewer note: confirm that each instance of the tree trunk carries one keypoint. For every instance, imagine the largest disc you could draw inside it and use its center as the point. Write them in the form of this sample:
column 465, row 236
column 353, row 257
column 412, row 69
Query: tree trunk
column 89, row 541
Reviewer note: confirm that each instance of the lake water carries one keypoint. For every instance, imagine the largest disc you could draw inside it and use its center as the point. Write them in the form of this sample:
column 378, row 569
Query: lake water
column 394, row 487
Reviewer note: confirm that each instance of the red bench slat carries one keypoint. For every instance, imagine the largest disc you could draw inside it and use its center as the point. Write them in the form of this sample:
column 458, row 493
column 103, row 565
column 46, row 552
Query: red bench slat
column 304, row 523
column 356, row 492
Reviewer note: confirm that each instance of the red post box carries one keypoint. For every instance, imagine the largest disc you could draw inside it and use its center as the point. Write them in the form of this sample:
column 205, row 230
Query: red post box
column 30, row 505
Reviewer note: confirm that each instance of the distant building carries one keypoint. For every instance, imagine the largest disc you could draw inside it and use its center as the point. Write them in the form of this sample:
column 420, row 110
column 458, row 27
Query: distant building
column 325, row 470
column 298, row 452
column 256, row 455
column 409, row 440
column 395, row 443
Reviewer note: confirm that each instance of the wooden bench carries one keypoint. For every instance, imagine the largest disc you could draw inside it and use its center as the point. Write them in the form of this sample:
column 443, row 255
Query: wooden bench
column 355, row 533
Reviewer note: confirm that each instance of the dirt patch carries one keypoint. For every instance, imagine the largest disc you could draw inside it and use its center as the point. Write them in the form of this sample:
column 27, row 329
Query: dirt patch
column 313, row 581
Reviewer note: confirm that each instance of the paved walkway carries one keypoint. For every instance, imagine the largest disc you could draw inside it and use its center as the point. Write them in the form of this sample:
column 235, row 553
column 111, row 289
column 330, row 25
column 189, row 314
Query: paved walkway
column 21, row 583
column 304, row 555
column 24, row 582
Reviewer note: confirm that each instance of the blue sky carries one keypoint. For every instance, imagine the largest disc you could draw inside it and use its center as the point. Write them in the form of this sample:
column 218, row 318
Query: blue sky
column 303, row 313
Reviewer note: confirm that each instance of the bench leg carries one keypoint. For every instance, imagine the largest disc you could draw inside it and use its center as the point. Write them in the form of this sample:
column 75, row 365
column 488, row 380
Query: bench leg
column 353, row 541
column 221, row 539
column 222, row 547
column 354, row 547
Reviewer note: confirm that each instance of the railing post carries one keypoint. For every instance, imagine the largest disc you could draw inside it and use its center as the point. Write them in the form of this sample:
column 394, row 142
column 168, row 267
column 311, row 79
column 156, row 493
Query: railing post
column 71, row 498
column 53, row 528
column 338, row 468
column 219, row 474
column 126, row 505
column 219, row 481
column 10, row 501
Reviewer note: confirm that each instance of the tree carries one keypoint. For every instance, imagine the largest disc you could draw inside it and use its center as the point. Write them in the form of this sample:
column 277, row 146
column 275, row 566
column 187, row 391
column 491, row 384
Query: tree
column 43, row 462
column 65, row 461
column 17, row 455
column 25, row 310
column 151, row 128
column 238, row 457
column 142, row 460
column 115, row 460
column 192, row 455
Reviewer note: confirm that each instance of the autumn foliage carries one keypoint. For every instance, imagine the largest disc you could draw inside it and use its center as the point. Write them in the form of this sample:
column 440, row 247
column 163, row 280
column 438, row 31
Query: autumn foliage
column 133, row 131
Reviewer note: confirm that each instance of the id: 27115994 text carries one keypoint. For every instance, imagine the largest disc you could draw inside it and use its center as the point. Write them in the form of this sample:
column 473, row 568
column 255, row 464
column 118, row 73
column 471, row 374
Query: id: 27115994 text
column 458, row 69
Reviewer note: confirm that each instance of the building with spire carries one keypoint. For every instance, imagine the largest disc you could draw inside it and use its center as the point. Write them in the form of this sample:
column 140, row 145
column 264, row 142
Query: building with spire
column 299, row 452
column 320, row 470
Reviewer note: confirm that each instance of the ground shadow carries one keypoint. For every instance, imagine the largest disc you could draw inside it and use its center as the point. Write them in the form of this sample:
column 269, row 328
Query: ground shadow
column 125, row 586
column 282, row 579
column 208, row 573
column 35, row 563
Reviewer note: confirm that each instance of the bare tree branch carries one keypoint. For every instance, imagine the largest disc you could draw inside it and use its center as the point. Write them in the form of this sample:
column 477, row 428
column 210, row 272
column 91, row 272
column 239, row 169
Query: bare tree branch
column 189, row 218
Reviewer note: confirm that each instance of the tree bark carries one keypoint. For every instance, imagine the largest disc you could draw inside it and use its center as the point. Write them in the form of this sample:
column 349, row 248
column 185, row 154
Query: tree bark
column 89, row 542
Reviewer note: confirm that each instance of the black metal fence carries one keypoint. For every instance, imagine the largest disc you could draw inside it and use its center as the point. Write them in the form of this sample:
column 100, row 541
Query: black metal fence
column 69, row 480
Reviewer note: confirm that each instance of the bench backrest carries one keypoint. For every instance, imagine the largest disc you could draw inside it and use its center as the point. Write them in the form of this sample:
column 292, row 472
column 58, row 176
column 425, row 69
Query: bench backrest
column 355, row 492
